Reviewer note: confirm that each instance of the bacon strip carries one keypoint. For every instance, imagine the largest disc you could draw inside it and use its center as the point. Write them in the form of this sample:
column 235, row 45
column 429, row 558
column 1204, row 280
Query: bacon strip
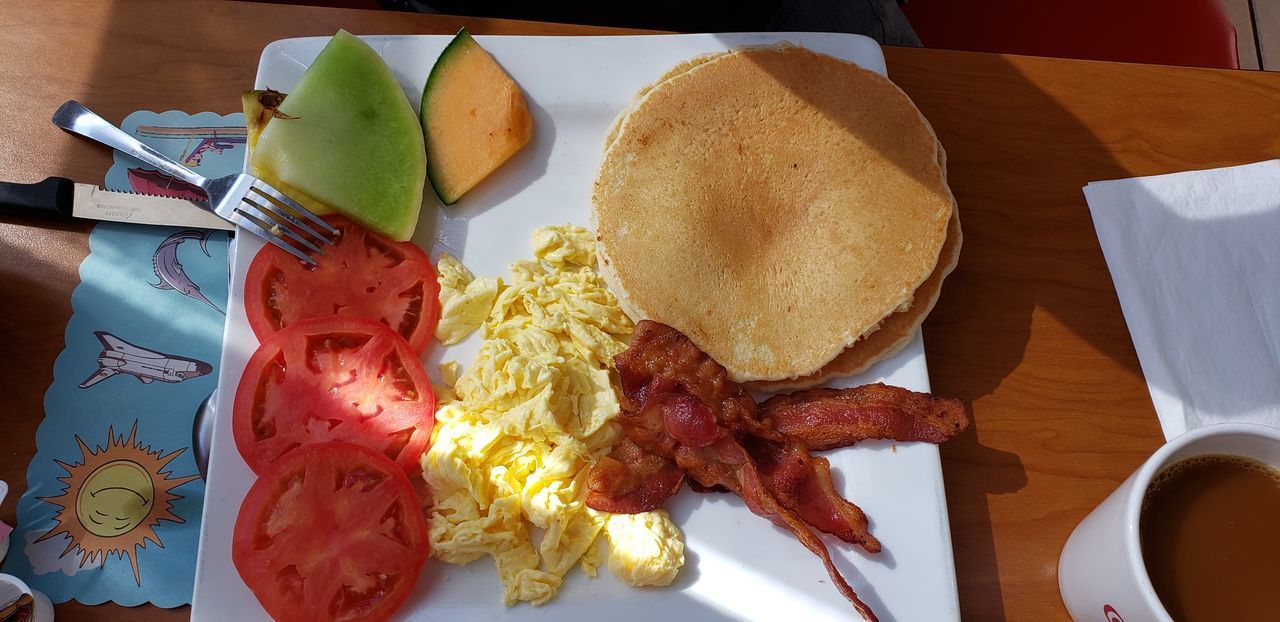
column 680, row 408
column 686, row 420
column 831, row 418
column 728, row 465
column 631, row 480
column 763, row 504
column 802, row 483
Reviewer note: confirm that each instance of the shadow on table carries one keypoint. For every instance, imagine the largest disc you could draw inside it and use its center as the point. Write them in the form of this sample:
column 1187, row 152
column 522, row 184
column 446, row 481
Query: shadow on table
column 1026, row 247
column 988, row 471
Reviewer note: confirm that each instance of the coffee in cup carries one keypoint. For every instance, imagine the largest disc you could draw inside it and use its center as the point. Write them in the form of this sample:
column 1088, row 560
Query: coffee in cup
column 1210, row 534
column 1209, row 482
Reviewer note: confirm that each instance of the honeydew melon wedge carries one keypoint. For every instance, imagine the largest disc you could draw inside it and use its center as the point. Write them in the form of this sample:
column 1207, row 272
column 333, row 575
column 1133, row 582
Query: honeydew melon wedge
column 474, row 118
column 260, row 107
column 345, row 138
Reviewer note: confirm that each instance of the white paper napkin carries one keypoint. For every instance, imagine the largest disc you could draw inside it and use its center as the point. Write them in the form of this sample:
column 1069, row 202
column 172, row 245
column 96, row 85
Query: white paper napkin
column 1195, row 258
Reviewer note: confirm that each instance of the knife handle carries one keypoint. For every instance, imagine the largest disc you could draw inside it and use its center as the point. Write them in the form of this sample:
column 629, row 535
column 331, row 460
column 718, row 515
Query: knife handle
column 50, row 199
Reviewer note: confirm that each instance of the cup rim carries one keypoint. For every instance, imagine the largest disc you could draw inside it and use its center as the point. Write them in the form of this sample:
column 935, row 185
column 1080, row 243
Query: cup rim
column 16, row 582
column 1142, row 479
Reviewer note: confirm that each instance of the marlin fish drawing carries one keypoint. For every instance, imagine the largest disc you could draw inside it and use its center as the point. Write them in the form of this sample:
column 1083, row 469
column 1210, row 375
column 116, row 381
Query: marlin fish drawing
column 170, row 271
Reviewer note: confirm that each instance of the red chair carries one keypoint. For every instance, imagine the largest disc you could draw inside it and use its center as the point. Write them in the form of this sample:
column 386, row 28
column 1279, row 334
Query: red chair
column 1162, row 32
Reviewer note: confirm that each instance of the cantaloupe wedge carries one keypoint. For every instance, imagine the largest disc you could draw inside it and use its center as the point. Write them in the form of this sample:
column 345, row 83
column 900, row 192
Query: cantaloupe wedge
column 347, row 138
column 474, row 118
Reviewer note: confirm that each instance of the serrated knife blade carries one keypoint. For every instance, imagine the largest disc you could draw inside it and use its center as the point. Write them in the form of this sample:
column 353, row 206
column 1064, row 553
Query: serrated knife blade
column 98, row 204
column 60, row 198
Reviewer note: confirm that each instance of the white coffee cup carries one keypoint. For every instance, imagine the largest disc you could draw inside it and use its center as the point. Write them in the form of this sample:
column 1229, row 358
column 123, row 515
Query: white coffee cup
column 1101, row 573
column 12, row 587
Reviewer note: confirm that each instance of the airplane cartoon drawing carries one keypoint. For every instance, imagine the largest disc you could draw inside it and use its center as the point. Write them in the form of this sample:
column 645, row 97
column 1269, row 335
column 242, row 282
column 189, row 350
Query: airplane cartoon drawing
column 121, row 357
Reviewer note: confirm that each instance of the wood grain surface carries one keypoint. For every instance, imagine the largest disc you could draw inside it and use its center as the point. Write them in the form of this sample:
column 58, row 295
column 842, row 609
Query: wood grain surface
column 1028, row 330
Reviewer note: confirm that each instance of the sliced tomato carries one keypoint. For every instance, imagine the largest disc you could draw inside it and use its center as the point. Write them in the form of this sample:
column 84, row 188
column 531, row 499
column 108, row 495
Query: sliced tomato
column 363, row 275
column 334, row 379
column 331, row 531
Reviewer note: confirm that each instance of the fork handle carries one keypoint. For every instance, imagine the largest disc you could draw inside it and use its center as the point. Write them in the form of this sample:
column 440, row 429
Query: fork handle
column 77, row 119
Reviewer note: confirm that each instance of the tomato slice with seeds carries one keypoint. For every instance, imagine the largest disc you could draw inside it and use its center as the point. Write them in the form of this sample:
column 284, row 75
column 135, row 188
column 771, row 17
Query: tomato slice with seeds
column 331, row 531
column 334, row 378
column 363, row 275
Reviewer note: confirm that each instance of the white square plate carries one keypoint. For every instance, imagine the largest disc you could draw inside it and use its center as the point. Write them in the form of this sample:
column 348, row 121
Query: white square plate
column 739, row 566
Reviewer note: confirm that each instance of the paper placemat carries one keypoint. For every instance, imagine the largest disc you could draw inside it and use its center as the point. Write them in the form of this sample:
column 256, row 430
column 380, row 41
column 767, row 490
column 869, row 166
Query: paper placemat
column 113, row 501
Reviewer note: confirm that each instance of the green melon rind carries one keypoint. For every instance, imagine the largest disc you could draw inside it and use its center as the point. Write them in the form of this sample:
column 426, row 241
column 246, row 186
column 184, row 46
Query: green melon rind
column 460, row 42
column 373, row 137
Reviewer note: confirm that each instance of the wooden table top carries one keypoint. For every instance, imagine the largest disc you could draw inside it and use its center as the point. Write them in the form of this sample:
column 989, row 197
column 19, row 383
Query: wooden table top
column 1028, row 330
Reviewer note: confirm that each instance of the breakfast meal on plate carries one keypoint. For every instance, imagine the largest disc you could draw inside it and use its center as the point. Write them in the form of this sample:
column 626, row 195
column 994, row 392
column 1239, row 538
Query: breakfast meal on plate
column 798, row 199
column 522, row 425
column 345, row 139
column 362, row 275
column 474, row 118
column 336, row 378
column 765, row 219
column 331, row 531
column 685, row 418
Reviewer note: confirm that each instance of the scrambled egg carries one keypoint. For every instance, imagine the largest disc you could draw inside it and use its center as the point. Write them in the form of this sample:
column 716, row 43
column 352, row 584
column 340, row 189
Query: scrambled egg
column 518, row 431
column 643, row 546
column 464, row 300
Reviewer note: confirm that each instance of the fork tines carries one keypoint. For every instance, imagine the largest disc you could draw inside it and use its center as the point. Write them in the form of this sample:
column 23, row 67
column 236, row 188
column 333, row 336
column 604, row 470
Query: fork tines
column 271, row 214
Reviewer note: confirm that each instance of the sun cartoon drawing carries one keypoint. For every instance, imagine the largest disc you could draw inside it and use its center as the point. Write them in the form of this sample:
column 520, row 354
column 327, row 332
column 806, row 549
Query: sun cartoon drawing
column 113, row 500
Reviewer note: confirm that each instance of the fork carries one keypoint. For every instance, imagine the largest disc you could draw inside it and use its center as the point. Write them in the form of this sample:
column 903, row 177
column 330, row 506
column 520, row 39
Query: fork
column 240, row 199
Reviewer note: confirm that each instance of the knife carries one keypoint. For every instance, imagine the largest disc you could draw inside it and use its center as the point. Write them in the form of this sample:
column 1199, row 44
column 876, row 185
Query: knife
column 59, row 198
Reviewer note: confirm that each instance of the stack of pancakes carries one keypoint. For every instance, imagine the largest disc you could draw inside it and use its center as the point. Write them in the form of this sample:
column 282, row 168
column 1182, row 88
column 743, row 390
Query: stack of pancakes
column 787, row 210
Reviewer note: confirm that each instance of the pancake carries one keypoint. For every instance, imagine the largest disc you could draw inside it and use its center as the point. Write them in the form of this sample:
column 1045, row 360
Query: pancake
column 891, row 337
column 681, row 67
column 897, row 330
column 774, row 204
